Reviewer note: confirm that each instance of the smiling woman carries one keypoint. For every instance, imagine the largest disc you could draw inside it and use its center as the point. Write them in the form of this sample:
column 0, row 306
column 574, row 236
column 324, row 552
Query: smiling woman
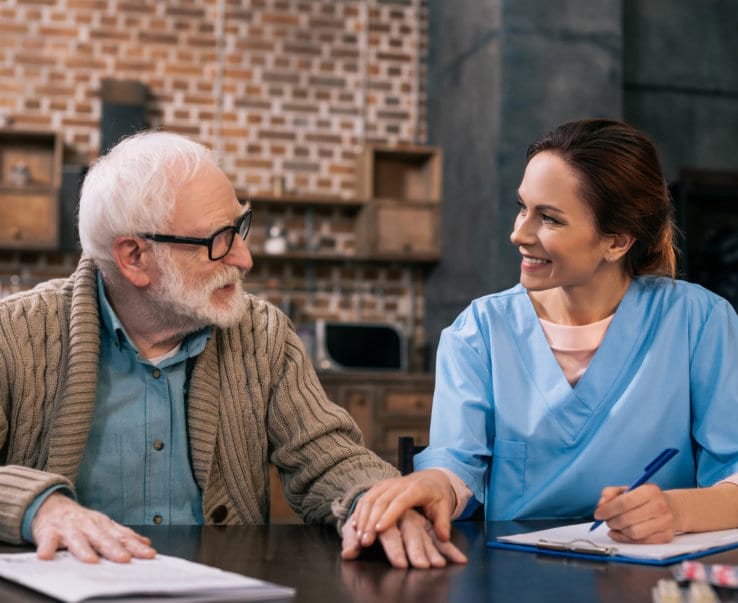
column 561, row 246
column 536, row 385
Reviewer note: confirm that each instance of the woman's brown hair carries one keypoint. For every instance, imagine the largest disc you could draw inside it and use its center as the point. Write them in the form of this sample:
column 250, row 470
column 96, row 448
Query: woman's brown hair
column 621, row 180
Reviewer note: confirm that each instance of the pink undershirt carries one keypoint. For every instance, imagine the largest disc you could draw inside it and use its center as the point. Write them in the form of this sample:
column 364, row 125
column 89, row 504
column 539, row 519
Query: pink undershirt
column 573, row 347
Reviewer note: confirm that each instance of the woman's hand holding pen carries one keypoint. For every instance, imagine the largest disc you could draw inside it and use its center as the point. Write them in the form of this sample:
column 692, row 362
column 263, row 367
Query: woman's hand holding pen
column 644, row 515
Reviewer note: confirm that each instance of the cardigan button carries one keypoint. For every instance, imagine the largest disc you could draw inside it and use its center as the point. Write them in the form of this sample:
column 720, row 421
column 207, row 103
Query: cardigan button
column 219, row 514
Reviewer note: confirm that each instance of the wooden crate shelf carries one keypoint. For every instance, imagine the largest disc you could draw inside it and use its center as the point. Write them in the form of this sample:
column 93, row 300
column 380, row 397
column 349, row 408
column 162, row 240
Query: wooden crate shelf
column 390, row 228
column 411, row 173
column 30, row 179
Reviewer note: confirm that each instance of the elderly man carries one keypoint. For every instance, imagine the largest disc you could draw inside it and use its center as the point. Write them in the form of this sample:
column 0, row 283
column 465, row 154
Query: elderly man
column 149, row 388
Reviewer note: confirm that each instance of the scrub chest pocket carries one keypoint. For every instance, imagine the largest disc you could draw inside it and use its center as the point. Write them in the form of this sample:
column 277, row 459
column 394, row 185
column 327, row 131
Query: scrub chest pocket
column 507, row 480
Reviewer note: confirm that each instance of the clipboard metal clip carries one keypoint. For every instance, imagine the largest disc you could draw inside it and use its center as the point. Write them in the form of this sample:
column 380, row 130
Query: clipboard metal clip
column 581, row 545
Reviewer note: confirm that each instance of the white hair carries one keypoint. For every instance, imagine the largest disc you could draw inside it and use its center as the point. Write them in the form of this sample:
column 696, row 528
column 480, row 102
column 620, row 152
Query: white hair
column 131, row 190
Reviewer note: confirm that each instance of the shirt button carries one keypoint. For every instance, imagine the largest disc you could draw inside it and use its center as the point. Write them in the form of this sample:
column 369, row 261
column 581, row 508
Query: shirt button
column 156, row 373
column 158, row 519
column 219, row 514
column 158, row 445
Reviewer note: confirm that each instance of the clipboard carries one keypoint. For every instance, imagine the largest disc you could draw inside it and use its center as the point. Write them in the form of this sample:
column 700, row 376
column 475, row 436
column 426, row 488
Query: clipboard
column 576, row 541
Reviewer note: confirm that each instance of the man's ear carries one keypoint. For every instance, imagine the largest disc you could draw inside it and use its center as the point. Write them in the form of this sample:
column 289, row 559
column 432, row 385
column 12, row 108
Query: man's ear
column 618, row 246
column 133, row 260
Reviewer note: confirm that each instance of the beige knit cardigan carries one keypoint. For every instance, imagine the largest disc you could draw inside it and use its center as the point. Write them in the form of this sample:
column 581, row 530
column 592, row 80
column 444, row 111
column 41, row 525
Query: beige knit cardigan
column 254, row 398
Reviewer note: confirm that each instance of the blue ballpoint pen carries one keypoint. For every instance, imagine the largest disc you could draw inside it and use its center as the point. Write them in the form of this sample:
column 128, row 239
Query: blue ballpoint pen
column 647, row 474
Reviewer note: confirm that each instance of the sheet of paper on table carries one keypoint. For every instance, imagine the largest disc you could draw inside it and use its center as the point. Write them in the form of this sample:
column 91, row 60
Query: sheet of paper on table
column 173, row 579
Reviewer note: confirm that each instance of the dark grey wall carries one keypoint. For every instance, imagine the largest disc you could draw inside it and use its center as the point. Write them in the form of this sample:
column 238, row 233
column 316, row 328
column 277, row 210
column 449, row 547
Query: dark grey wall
column 464, row 119
column 681, row 80
column 502, row 73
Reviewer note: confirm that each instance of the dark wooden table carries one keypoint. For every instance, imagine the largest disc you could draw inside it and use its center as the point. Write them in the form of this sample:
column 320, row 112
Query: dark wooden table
column 307, row 558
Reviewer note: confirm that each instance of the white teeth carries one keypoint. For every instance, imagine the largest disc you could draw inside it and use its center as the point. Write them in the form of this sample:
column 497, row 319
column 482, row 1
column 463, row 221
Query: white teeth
column 534, row 261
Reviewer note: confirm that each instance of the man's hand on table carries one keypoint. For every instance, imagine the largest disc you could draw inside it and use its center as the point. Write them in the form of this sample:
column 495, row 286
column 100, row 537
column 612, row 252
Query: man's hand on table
column 88, row 535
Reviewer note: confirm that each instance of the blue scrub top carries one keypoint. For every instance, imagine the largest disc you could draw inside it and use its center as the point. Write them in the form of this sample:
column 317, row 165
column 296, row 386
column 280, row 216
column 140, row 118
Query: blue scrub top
column 529, row 445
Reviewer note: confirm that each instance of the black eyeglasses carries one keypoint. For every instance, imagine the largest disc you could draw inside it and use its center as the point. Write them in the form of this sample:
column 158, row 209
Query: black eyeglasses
column 218, row 244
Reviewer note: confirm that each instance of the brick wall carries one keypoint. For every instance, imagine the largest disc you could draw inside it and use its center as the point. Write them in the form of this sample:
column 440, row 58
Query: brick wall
column 279, row 88
column 290, row 87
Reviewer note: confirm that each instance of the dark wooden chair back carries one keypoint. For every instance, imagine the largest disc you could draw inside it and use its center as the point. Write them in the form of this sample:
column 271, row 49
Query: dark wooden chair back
column 406, row 450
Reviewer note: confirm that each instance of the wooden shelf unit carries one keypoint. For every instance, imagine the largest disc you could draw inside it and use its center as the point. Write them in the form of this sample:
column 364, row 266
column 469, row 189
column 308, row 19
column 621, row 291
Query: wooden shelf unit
column 393, row 229
column 385, row 232
column 30, row 179
column 403, row 186
column 405, row 173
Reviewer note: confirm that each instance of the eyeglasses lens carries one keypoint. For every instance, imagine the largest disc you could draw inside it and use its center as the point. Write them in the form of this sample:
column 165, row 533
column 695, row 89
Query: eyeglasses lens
column 223, row 242
column 243, row 228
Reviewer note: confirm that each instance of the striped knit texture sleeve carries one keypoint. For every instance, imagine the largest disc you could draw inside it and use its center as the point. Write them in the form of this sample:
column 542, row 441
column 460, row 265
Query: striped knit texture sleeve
column 316, row 445
column 19, row 486
column 32, row 356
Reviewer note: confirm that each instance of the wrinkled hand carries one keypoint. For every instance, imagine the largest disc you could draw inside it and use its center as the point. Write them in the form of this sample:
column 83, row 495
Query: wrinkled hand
column 384, row 503
column 644, row 515
column 411, row 542
column 61, row 522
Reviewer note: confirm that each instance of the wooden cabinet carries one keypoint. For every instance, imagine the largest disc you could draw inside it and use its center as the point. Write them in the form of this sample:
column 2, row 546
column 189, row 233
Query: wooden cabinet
column 383, row 231
column 30, row 178
column 407, row 173
column 389, row 228
column 402, row 186
column 384, row 405
column 395, row 214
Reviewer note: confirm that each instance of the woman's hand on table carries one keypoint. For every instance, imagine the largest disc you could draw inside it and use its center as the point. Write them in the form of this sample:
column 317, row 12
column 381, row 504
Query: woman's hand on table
column 391, row 511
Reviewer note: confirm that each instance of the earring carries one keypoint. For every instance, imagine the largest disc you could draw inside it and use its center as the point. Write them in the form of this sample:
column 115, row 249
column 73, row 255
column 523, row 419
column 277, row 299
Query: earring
column 611, row 259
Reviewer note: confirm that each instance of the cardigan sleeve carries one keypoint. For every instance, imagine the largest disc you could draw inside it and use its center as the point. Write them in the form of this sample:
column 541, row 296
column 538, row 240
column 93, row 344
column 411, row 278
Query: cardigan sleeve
column 19, row 484
column 316, row 445
column 19, row 487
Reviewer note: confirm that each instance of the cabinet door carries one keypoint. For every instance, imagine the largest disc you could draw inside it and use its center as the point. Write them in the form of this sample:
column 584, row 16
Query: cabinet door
column 405, row 411
column 359, row 402
column 410, row 403
column 29, row 219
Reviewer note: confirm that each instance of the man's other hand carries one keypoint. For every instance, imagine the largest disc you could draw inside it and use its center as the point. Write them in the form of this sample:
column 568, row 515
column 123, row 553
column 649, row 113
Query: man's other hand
column 60, row 522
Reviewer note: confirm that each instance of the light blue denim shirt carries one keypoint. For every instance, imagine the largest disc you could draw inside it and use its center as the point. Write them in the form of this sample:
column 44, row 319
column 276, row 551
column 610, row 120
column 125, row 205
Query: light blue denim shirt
column 136, row 467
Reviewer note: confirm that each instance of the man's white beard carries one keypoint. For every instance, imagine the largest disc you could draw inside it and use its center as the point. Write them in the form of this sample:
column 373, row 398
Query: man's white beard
column 188, row 306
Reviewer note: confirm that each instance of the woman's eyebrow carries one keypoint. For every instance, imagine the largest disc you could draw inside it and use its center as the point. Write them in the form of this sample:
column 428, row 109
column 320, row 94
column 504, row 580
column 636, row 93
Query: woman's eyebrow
column 543, row 206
